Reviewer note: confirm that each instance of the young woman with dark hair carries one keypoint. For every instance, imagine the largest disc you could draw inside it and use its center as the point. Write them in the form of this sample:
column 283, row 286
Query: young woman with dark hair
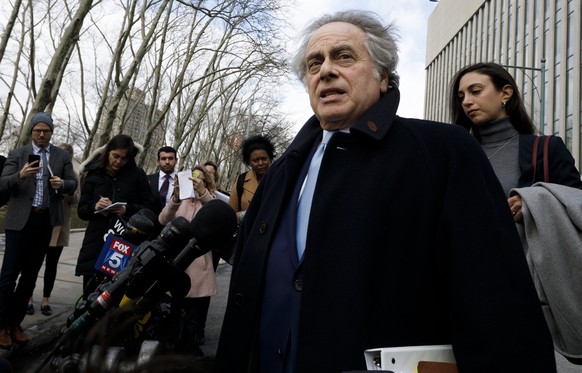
column 485, row 99
column 111, row 176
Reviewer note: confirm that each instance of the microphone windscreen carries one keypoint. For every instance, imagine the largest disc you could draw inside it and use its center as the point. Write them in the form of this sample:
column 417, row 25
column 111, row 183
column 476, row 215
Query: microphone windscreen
column 148, row 214
column 214, row 225
column 175, row 234
column 178, row 283
column 142, row 223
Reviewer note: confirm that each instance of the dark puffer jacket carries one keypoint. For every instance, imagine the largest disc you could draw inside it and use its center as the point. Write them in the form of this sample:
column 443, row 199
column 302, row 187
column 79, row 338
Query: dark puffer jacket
column 129, row 185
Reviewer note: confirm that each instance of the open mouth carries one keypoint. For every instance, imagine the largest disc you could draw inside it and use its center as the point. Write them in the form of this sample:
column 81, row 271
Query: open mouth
column 326, row 93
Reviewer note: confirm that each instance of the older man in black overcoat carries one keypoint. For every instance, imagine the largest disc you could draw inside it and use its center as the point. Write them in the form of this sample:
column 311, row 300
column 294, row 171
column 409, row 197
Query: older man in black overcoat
column 409, row 239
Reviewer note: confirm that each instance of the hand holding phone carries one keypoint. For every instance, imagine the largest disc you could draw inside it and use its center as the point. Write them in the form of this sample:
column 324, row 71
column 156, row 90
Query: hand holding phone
column 31, row 167
column 33, row 158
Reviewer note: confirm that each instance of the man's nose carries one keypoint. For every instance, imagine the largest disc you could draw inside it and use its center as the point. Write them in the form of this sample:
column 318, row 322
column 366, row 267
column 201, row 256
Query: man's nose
column 327, row 69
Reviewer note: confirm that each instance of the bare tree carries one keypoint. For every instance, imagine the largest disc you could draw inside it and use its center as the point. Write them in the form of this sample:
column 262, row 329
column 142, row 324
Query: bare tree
column 49, row 86
column 14, row 78
column 9, row 27
column 193, row 74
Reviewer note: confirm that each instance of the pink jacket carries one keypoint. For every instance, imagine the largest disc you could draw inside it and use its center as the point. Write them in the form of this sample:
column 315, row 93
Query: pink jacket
column 201, row 270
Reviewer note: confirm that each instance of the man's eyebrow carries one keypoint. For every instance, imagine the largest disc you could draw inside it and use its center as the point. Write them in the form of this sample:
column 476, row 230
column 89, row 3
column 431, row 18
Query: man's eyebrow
column 341, row 48
column 313, row 55
column 333, row 51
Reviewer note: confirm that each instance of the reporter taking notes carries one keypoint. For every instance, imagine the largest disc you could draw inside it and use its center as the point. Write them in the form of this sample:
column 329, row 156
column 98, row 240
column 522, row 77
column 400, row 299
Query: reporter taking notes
column 111, row 176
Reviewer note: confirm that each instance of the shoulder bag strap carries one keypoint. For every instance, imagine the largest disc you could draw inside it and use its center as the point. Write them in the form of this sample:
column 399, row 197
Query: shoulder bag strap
column 546, row 162
column 534, row 156
column 240, row 188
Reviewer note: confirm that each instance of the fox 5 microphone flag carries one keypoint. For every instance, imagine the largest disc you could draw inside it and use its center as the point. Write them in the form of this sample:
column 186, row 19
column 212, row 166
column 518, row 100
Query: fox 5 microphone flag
column 115, row 254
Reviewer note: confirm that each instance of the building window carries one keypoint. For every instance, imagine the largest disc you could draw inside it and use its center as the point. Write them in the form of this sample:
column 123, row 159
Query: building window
column 557, row 97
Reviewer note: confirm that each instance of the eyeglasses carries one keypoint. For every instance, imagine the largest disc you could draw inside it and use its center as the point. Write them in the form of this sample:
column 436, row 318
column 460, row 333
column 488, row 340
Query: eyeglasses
column 42, row 131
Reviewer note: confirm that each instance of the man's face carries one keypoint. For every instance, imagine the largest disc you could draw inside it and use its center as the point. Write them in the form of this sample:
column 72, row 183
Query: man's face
column 167, row 162
column 41, row 135
column 342, row 81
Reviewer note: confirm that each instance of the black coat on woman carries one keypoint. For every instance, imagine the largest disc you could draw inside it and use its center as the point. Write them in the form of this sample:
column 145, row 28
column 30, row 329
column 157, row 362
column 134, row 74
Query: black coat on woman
column 562, row 169
column 129, row 185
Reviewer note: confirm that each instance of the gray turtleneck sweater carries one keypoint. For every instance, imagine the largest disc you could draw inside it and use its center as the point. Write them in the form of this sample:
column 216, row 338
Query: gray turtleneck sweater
column 500, row 141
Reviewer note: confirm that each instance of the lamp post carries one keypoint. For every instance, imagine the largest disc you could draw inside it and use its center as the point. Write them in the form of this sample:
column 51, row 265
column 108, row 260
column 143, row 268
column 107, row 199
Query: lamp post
column 543, row 89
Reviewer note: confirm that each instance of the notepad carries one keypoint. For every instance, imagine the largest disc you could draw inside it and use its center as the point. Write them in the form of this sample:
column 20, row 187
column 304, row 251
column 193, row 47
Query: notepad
column 111, row 206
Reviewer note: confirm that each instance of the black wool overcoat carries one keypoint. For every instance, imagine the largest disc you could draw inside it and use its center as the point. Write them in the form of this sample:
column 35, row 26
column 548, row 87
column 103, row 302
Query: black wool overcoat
column 410, row 242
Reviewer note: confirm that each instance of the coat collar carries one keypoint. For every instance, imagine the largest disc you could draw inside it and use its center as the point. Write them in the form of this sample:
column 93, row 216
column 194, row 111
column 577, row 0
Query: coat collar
column 375, row 123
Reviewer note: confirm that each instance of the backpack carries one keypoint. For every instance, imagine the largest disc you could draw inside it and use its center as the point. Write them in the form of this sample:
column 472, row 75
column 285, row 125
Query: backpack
column 239, row 188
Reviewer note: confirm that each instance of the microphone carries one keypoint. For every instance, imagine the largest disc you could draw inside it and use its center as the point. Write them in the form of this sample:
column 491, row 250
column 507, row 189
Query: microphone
column 144, row 261
column 151, row 259
column 140, row 226
column 148, row 255
column 117, row 251
column 212, row 227
column 152, row 216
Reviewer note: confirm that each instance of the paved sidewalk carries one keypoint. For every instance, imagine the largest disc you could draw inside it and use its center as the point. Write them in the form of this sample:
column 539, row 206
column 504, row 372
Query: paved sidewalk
column 43, row 331
column 40, row 329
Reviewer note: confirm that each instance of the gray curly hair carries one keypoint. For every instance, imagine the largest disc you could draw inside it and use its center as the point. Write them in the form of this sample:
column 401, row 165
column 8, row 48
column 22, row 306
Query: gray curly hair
column 380, row 41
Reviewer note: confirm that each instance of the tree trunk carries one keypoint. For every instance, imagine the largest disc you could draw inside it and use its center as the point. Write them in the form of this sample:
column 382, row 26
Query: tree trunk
column 9, row 27
column 57, row 65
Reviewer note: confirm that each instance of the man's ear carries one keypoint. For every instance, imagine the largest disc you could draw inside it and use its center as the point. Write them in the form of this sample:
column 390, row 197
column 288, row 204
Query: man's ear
column 383, row 81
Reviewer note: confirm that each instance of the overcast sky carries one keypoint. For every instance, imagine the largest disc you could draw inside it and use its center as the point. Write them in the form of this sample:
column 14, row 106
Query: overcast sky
column 410, row 16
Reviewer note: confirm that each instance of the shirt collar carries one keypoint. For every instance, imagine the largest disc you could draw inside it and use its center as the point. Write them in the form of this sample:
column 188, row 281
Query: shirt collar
column 162, row 176
column 36, row 149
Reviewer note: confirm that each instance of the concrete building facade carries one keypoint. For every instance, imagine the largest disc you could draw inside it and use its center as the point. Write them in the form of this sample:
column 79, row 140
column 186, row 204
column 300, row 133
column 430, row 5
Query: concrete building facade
column 539, row 42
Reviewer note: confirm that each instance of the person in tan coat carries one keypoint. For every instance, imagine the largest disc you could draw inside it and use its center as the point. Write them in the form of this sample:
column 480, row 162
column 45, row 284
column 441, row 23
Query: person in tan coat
column 257, row 152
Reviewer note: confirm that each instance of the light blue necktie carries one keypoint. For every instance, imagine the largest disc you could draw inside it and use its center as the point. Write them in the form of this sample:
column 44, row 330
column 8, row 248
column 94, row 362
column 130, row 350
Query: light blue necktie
column 45, row 179
column 306, row 195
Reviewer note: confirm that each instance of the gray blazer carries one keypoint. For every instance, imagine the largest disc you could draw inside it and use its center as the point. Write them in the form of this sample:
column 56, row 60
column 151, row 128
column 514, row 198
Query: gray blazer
column 22, row 191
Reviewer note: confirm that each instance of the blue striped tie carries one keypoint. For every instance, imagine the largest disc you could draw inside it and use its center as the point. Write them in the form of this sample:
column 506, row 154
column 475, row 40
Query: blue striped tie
column 45, row 179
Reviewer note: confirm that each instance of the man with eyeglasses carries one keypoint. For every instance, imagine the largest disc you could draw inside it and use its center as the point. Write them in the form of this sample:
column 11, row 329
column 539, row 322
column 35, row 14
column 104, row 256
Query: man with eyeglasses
column 37, row 176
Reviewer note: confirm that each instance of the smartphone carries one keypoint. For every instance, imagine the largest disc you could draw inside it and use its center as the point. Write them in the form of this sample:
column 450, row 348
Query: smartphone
column 34, row 157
